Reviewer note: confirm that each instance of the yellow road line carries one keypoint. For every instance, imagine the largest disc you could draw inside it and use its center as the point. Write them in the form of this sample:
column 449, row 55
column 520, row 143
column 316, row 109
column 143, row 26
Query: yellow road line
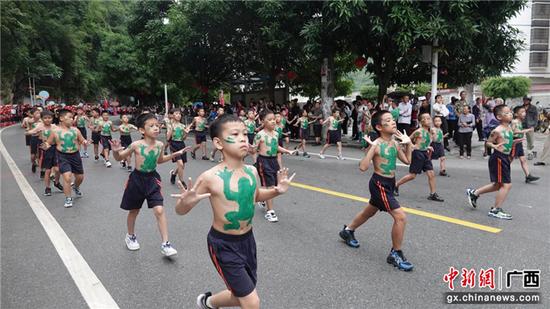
column 417, row 212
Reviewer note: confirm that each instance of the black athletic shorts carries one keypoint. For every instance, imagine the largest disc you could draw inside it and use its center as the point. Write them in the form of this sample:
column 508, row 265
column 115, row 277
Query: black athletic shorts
column 499, row 167
column 517, row 151
column 142, row 186
column 317, row 130
column 420, row 162
column 280, row 140
column 69, row 162
column 304, row 133
column 439, row 151
column 251, row 138
column 178, row 145
column 200, row 137
column 105, row 141
column 96, row 137
column 83, row 132
column 48, row 158
column 234, row 257
column 334, row 136
column 35, row 143
column 381, row 193
column 27, row 140
column 267, row 169
column 125, row 140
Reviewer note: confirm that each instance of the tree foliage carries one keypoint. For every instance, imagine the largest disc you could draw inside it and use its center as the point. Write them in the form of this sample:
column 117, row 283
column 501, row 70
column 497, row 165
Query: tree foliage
column 506, row 87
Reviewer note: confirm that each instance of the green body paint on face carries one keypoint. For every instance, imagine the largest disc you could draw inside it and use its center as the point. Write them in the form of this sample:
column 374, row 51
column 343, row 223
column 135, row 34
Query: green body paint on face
column 178, row 133
column 509, row 139
column 150, row 162
column 388, row 152
column 68, row 141
column 244, row 197
column 229, row 140
column 272, row 147
column 426, row 140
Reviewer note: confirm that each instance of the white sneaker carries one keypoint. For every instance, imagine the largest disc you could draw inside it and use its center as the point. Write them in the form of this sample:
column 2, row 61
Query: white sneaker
column 271, row 216
column 321, row 156
column 68, row 202
column 86, row 155
column 131, row 242
column 108, row 164
column 167, row 250
column 340, row 157
column 262, row 205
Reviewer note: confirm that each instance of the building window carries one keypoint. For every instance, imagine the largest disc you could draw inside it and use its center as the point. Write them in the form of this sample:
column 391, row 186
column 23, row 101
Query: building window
column 538, row 59
column 540, row 10
column 540, row 34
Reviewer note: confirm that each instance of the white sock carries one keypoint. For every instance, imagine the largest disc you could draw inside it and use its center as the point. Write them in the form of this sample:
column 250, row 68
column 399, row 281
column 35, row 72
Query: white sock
column 348, row 229
column 208, row 303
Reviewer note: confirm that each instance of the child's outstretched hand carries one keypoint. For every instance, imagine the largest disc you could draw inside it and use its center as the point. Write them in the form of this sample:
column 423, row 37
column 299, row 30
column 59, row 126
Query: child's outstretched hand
column 115, row 145
column 403, row 137
column 190, row 195
column 283, row 181
column 369, row 141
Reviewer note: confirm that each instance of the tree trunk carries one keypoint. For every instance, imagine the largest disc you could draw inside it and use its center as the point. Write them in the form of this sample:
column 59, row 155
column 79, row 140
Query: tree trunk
column 327, row 82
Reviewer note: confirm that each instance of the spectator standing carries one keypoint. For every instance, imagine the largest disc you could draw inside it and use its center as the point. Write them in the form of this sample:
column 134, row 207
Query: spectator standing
column 531, row 120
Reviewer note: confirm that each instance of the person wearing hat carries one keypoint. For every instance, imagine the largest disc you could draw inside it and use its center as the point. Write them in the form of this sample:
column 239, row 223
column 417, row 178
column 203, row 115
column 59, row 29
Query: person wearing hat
column 424, row 106
column 530, row 121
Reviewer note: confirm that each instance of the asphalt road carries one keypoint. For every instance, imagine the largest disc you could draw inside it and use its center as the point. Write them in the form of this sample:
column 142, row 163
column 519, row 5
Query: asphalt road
column 301, row 261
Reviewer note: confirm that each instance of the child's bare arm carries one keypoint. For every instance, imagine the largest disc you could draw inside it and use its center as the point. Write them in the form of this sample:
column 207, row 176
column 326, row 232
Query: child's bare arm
column 81, row 140
column 283, row 182
column 118, row 152
column 188, row 199
column 164, row 158
column 39, row 128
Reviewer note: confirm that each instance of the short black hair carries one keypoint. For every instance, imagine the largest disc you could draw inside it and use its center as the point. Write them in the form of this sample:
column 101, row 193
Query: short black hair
column 104, row 111
column 173, row 110
column 517, row 108
column 498, row 109
column 265, row 112
column 377, row 119
column 420, row 116
column 216, row 126
column 436, row 96
column 334, row 110
column 96, row 110
column 141, row 119
column 33, row 110
column 440, row 117
column 46, row 113
column 63, row 112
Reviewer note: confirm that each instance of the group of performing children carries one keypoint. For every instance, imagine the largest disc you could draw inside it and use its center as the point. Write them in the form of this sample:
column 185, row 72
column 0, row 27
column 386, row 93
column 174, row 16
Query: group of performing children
column 234, row 187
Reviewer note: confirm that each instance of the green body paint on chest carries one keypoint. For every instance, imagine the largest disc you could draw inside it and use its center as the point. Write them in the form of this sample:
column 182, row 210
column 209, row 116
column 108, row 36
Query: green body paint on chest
column 244, row 197
column 46, row 134
column 305, row 123
column 124, row 129
column 279, row 131
column 81, row 122
column 509, row 141
column 272, row 145
column 439, row 136
column 251, row 127
column 106, row 128
column 335, row 124
column 201, row 125
column 178, row 133
column 68, row 140
column 519, row 126
column 150, row 162
column 388, row 152
column 426, row 140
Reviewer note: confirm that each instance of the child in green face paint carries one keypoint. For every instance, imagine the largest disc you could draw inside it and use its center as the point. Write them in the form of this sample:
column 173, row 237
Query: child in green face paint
column 125, row 130
column 200, row 125
column 383, row 153
column 502, row 141
column 232, row 187
column 105, row 127
column 144, row 182
column 303, row 123
column 34, row 141
column 94, row 127
column 81, row 121
column 421, row 160
column 438, row 146
column 280, row 130
column 334, row 135
column 266, row 145
column 517, row 149
column 176, row 134
column 67, row 140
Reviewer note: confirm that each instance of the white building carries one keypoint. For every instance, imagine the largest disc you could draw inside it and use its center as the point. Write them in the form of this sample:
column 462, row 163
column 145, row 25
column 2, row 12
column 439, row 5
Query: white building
column 533, row 22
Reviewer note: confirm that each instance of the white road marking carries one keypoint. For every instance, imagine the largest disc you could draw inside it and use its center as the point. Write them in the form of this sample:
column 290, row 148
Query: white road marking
column 347, row 158
column 93, row 291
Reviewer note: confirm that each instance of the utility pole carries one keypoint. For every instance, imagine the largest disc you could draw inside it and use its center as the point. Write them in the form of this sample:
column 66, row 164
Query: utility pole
column 435, row 59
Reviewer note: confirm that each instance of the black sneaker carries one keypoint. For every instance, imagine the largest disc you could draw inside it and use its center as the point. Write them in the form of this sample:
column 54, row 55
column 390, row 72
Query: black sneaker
column 77, row 191
column 530, row 178
column 201, row 300
column 172, row 178
column 42, row 173
column 397, row 259
column 205, row 158
column 306, row 155
column 443, row 173
column 193, row 155
column 349, row 237
column 472, row 197
column 33, row 168
column 58, row 186
column 396, row 191
column 183, row 184
column 48, row 192
column 539, row 163
column 129, row 167
column 435, row 197
column 123, row 163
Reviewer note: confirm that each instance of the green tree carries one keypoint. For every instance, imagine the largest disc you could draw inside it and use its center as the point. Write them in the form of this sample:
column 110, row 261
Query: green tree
column 506, row 87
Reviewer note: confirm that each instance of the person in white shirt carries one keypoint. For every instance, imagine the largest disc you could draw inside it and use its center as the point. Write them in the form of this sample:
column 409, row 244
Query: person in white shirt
column 405, row 112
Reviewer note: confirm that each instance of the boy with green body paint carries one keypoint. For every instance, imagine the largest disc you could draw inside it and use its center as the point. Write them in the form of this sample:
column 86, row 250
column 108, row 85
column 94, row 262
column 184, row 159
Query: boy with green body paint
column 232, row 188
column 383, row 153
column 176, row 134
column 81, row 121
column 266, row 145
column 67, row 140
column 334, row 133
column 125, row 130
column 200, row 125
column 105, row 128
column 421, row 157
column 220, row 113
column 144, row 182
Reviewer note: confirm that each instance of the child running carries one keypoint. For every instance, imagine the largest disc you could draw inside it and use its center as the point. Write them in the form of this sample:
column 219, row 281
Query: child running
column 232, row 189
column 81, row 121
column 67, row 141
column 176, row 134
column 34, row 140
column 199, row 123
column 421, row 162
column 105, row 127
column 437, row 145
column 383, row 153
column 303, row 122
column 279, row 128
column 94, row 127
column 517, row 149
column 48, row 159
column 125, row 130
column 266, row 144
column 501, row 140
column 144, row 182
column 334, row 135
column 250, row 124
